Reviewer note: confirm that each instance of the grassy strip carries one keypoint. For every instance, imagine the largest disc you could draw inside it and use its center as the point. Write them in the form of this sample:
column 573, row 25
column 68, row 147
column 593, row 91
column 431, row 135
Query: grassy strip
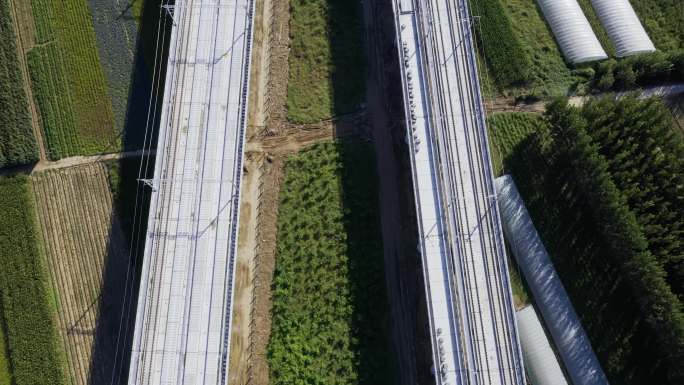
column 329, row 299
column 664, row 22
column 25, row 298
column 327, row 59
column 17, row 143
column 548, row 73
column 502, row 49
column 72, row 68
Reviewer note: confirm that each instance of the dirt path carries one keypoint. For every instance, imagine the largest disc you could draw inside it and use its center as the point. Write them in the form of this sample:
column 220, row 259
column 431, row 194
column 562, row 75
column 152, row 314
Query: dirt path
column 25, row 41
column 242, row 301
column 70, row 162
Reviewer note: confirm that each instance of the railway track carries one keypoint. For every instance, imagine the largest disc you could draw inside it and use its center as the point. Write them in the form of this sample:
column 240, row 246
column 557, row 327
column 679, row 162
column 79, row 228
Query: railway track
column 473, row 329
column 183, row 320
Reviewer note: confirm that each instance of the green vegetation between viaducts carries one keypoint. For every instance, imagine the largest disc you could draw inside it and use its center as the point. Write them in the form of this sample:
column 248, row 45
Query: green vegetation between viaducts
column 577, row 189
column 327, row 59
column 26, row 310
column 17, row 143
column 329, row 302
column 68, row 81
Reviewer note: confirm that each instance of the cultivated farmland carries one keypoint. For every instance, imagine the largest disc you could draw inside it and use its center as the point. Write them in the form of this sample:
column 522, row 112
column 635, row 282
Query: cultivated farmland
column 116, row 29
column 17, row 143
column 27, row 308
column 68, row 81
column 327, row 66
column 328, row 289
column 508, row 64
column 81, row 236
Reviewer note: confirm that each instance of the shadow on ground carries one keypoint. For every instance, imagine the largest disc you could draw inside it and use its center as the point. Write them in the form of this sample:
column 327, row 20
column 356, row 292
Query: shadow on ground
column 398, row 350
column 114, row 330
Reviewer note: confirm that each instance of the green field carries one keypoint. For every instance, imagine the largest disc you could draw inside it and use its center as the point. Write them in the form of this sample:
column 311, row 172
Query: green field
column 327, row 59
column 329, row 304
column 599, row 247
column 505, row 58
column 26, row 305
column 69, row 83
column 17, row 143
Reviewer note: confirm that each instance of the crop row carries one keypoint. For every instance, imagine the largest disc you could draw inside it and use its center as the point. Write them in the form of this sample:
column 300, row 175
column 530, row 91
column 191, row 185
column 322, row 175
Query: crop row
column 71, row 67
column 54, row 102
column 74, row 212
column 17, row 142
column 116, row 32
column 26, row 297
column 328, row 287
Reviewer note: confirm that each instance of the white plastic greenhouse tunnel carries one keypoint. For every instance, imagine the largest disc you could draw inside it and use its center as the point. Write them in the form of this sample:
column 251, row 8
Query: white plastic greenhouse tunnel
column 541, row 364
column 572, row 31
column 559, row 316
column 623, row 27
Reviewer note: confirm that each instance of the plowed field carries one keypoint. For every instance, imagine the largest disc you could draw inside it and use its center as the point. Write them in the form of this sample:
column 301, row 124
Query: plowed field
column 80, row 234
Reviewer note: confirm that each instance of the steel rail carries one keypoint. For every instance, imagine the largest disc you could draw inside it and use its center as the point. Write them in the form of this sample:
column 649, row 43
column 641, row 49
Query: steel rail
column 468, row 226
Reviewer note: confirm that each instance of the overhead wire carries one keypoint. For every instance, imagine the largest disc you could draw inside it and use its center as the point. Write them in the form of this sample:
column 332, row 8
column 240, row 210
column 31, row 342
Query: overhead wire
column 137, row 211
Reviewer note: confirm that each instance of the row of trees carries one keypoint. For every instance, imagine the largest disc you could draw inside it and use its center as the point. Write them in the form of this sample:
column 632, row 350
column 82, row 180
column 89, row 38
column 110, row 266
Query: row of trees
column 603, row 184
column 328, row 288
column 17, row 143
column 26, row 309
column 578, row 158
column 645, row 158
